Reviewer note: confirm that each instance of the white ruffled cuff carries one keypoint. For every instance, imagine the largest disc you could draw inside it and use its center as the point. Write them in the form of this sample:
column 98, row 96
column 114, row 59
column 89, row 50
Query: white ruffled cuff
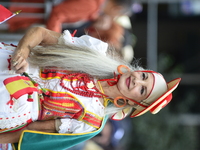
column 74, row 126
column 66, row 126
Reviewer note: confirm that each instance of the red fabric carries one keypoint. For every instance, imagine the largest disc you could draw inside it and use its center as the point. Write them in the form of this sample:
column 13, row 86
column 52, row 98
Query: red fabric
column 167, row 99
column 50, row 73
column 5, row 13
column 71, row 11
column 23, row 83
column 64, row 105
column 92, row 120
column 60, row 105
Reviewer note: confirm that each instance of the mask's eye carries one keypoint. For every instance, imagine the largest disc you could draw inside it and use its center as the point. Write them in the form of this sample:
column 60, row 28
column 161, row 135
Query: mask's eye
column 142, row 90
column 144, row 76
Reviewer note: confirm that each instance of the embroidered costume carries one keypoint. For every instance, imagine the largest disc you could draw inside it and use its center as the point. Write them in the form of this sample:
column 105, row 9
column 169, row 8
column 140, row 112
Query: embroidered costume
column 22, row 101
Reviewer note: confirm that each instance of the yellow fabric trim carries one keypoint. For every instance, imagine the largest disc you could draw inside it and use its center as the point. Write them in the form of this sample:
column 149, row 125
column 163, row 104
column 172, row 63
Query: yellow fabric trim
column 15, row 86
column 74, row 98
column 63, row 104
column 90, row 124
column 20, row 139
column 57, row 91
column 13, row 147
column 56, row 77
column 97, row 116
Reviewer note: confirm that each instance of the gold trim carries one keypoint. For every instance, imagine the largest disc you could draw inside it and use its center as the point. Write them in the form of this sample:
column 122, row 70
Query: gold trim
column 95, row 116
column 106, row 100
column 17, row 12
column 71, row 94
column 13, row 146
column 55, row 77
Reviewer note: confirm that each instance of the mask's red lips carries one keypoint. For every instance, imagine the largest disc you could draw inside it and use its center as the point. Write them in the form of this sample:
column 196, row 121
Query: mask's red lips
column 128, row 80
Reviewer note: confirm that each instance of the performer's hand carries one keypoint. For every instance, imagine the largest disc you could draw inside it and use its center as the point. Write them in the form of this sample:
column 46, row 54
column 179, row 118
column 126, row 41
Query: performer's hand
column 19, row 63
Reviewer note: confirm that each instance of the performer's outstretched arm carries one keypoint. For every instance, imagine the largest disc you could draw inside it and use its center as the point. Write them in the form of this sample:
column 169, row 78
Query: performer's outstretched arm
column 33, row 37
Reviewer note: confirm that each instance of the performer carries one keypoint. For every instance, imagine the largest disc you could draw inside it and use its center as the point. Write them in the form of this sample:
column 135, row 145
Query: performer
column 69, row 89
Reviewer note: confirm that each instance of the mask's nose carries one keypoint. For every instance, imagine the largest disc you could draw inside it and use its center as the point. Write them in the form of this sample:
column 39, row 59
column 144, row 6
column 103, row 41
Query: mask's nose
column 137, row 81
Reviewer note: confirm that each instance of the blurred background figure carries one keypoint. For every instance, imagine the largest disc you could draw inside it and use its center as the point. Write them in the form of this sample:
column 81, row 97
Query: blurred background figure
column 107, row 20
column 98, row 19
column 72, row 11
column 6, row 147
column 113, row 137
column 113, row 26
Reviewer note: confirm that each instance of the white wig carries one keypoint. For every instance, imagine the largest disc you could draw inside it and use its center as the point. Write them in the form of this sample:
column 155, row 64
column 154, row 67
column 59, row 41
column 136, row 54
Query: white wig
column 79, row 59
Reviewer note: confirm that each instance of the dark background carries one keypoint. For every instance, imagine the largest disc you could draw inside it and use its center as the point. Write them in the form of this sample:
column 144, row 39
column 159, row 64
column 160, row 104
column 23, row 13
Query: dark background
column 178, row 48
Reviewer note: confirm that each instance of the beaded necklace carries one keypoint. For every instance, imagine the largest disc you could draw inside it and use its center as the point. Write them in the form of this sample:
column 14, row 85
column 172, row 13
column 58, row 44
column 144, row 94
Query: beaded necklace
column 85, row 85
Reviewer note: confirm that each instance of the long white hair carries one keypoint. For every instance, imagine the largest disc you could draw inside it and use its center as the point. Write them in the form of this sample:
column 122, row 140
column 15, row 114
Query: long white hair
column 79, row 59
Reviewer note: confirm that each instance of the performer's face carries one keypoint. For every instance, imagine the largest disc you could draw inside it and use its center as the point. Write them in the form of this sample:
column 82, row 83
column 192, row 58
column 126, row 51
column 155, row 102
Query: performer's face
column 135, row 85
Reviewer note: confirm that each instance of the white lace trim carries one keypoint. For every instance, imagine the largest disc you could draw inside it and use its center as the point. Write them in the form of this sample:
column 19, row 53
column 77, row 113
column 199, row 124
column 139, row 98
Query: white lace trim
column 15, row 121
column 74, row 126
column 66, row 125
